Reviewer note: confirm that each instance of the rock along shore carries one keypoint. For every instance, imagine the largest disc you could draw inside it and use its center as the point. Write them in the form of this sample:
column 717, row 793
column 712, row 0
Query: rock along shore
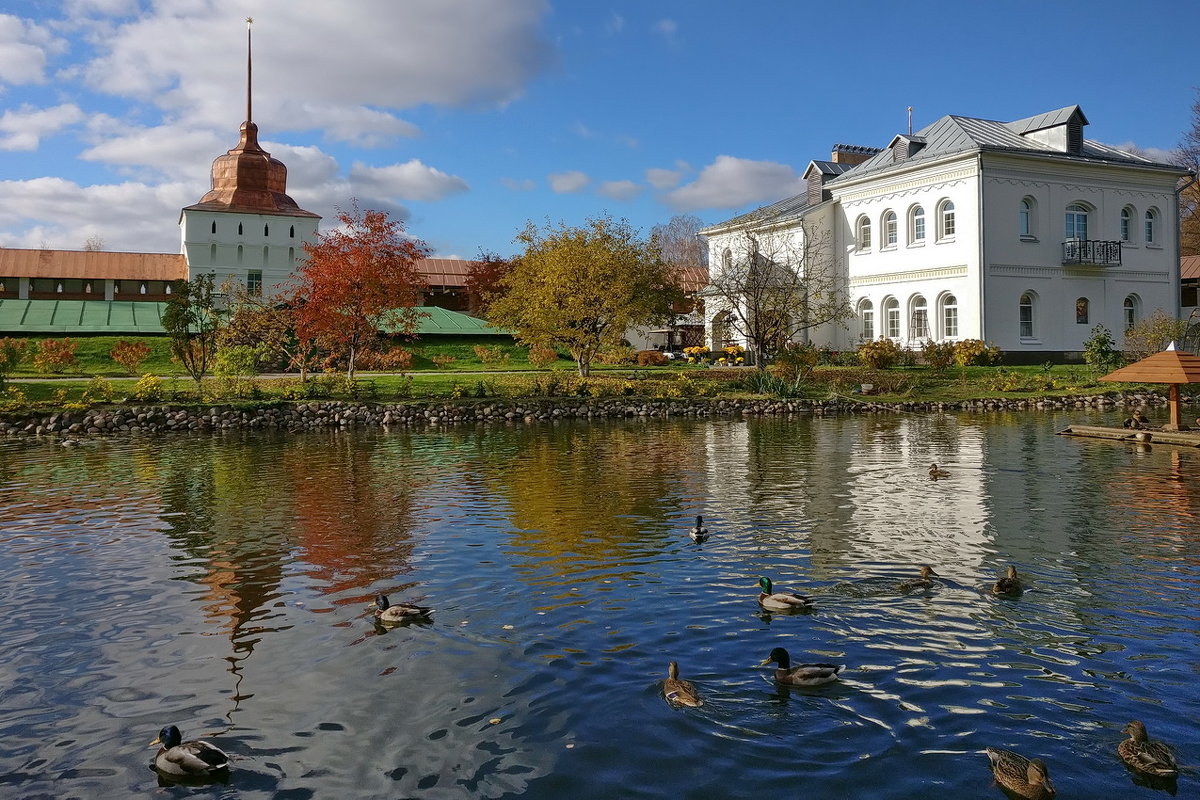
column 335, row 414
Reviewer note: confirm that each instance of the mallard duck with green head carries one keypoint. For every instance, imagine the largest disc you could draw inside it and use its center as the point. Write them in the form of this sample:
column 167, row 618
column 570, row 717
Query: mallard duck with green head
column 698, row 532
column 192, row 759
column 388, row 614
column 1022, row 776
column 1009, row 585
column 1147, row 756
column 788, row 674
column 679, row 692
column 924, row 582
column 771, row 600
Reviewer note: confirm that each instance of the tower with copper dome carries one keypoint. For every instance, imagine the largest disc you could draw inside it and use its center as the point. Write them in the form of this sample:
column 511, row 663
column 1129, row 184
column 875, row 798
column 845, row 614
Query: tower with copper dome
column 247, row 227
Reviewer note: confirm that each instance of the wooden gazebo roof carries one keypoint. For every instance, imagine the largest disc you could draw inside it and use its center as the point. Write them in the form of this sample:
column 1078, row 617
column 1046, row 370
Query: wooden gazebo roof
column 1169, row 366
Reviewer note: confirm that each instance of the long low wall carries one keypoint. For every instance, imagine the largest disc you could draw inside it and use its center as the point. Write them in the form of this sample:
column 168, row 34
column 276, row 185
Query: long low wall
column 348, row 414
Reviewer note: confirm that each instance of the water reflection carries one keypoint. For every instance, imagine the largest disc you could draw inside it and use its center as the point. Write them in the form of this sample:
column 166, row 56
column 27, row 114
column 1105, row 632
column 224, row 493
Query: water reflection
column 226, row 579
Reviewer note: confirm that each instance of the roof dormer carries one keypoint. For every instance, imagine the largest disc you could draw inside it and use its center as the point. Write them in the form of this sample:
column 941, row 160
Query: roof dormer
column 1060, row 130
column 904, row 146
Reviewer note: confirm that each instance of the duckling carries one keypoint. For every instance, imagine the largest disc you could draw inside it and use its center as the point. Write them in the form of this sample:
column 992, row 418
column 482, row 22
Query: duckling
column 1019, row 775
column 698, row 533
column 1147, row 756
column 801, row 674
column 680, row 692
column 388, row 614
column 936, row 472
column 781, row 601
column 1009, row 585
column 923, row 582
column 195, row 759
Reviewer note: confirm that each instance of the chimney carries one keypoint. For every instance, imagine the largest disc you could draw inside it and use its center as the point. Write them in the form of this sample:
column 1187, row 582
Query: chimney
column 851, row 153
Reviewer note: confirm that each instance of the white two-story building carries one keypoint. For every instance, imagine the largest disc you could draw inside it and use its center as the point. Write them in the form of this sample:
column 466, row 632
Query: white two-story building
column 1024, row 234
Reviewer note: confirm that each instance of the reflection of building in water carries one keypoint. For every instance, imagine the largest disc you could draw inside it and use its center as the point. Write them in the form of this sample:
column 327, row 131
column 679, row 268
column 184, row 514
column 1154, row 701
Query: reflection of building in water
column 856, row 490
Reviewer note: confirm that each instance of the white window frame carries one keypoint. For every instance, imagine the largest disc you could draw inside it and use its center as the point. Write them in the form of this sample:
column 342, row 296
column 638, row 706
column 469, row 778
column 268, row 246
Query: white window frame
column 1129, row 310
column 949, row 317
column 1150, row 232
column 890, row 230
column 862, row 233
column 1026, row 316
column 947, row 222
column 1126, row 224
column 916, row 226
column 919, row 317
column 866, row 316
column 891, row 313
column 1075, row 222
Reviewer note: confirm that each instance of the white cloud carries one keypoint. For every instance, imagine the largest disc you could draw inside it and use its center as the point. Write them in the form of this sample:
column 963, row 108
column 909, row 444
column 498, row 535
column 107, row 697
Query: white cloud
column 663, row 179
column 128, row 216
column 24, row 50
column 411, row 180
column 176, row 151
column 731, row 182
column 666, row 27
column 619, row 190
column 24, row 128
column 1160, row 154
column 568, row 182
column 525, row 185
column 189, row 59
column 581, row 130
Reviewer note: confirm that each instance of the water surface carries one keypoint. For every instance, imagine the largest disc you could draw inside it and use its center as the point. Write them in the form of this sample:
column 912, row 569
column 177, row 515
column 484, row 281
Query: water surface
column 221, row 583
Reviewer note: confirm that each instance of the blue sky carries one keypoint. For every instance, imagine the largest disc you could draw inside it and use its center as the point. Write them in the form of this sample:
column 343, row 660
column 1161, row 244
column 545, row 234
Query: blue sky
column 469, row 117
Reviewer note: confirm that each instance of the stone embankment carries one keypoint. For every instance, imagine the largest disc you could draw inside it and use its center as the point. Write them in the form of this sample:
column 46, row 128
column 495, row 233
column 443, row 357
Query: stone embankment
column 349, row 414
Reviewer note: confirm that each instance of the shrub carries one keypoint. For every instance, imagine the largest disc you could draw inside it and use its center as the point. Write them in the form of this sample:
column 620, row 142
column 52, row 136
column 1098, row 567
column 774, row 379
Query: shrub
column 55, row 355
column 540, row 355
column 130, row 355
column 651, row 358
column 773, row 384
column 1100, row 351
column 12, row 353
column 99, row 390
column 13, row 399
column 938, row 355
column 397, row 359
column 698, row 354
column 440, row 361
column 490, row 354
column 795, row 361
column 879, row 354
column 617, row 355
column 975, row 353
column 1152, row 334
column 148, row 389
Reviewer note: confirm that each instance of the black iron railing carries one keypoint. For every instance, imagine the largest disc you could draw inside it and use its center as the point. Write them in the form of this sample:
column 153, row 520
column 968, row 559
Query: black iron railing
column 1089, row 251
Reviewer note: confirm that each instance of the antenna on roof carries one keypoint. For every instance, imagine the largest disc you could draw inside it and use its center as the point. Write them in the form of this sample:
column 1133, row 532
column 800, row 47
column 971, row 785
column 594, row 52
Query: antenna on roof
column 249, row 22
column 910, row 120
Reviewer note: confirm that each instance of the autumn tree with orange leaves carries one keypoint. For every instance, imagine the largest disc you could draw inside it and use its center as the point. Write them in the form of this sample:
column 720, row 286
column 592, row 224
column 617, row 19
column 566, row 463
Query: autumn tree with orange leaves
column 358, row 280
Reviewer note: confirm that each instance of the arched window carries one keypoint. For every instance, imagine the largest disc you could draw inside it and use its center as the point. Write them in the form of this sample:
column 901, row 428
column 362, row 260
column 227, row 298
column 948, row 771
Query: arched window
column 916, row 225
column 143, row 288
column 949, row 317
column 1081, row 311
column 946, row 220
column 1025, row 314
column 866, row 316
column 891, row 313
column 239, row 229
column 212, row 253
column 167, row 290
column 1151, row 234
column 266, row 230
column 1127, row 224
column 919, row 328
column 265, row 254
column 1076, row 222
column 292, row 232
column 239, row 254
column 291, row 255
column 863, row 234
column 1130, row 310
column 1025, row 218
column 214, row 226
column 890, row 233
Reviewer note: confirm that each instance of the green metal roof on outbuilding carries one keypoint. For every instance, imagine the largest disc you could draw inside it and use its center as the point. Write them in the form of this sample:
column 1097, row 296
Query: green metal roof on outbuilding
column 80, row 316
column 435, row 320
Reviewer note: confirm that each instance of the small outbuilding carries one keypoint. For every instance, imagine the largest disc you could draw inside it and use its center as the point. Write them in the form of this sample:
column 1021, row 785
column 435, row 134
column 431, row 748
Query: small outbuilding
column 1173, row 367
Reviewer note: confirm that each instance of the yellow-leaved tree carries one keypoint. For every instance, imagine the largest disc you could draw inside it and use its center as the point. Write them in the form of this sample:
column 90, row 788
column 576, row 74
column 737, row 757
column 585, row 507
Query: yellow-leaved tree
column 582, row 288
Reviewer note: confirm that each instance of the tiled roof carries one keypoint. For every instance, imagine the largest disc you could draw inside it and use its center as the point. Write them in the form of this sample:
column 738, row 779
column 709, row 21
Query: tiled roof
column 1189, row 268
column 94, row 264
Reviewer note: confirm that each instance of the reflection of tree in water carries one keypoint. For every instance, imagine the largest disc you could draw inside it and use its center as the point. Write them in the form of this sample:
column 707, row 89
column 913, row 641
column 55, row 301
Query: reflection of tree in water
column 585, row 492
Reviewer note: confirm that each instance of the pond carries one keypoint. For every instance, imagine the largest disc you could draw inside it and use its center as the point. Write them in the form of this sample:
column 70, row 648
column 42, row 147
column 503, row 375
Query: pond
column 221, row 584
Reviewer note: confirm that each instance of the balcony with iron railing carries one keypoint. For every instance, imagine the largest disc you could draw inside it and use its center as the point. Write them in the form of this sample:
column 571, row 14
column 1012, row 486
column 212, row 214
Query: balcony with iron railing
column 1091, row 252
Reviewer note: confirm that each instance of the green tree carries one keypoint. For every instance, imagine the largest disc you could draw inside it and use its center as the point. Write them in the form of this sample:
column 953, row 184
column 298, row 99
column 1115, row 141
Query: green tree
column 1152, row 334
column 193, row 321
column 1100, row 351
column 582, row 288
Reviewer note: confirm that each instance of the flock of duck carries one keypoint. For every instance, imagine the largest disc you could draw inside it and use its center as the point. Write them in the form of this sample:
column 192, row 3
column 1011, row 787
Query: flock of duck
column 1024, row 777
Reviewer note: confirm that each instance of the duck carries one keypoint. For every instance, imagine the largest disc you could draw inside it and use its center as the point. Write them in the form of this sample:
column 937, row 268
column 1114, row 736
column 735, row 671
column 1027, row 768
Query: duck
column 1147, row 756
column 698, row 533
column 923, row 582
column 679, row 692
column 781, row 601
column 1023, row 777
column 193, row 759
column 388, row 614
column 936, row 472
column 1009, row 585
column 801, row 674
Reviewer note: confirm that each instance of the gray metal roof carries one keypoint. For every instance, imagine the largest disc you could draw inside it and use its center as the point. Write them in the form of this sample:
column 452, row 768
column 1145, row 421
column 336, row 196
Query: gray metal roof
column 1048, row 119
column 828, row 167
column 788, row 208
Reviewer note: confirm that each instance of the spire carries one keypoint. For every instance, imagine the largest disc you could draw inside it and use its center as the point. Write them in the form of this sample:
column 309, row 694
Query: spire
column 249, row 68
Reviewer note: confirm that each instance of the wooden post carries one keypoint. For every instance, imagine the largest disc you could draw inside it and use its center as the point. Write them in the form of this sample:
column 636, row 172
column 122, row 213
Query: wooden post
column 1174, row 400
